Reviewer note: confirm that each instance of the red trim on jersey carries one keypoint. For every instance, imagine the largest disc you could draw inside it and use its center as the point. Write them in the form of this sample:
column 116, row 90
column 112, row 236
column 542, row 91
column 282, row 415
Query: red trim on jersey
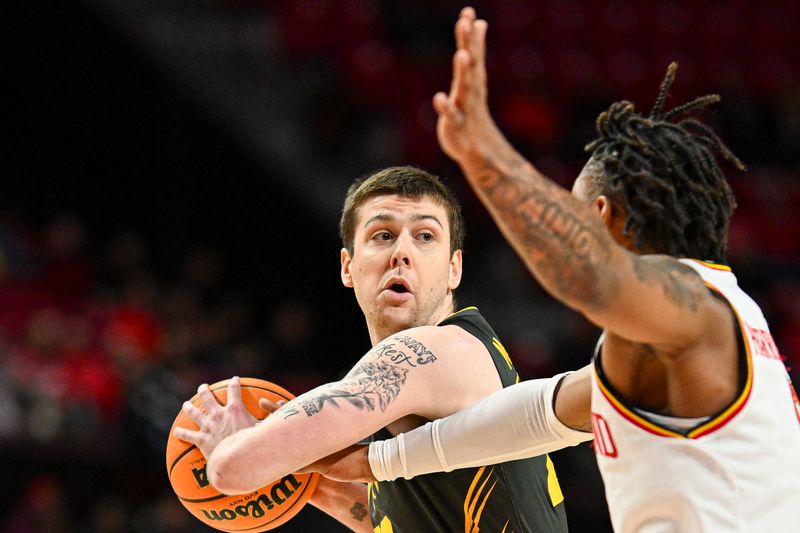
column 707, row 427
column 734, row 409
column 632, row 417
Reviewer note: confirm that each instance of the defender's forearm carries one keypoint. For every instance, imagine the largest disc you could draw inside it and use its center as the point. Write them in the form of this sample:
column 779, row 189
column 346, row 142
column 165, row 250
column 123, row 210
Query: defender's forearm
column 514, row 423
column 560, row 239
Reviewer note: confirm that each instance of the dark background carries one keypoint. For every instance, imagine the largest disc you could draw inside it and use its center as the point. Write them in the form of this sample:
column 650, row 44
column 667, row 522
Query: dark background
column 172, row 179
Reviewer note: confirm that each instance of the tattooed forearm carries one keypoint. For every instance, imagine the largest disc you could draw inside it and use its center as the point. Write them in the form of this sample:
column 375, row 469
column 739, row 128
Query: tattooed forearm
column 359, row 511
column 678, row 281
column 369, row 386
column 562, row 243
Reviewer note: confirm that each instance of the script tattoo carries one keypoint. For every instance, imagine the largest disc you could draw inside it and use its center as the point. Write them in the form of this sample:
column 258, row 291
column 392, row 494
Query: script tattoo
column 358, row 511
column 387, row 349
column 369, row 386
column 679, row 282
column 562, row 243
column 424, row 355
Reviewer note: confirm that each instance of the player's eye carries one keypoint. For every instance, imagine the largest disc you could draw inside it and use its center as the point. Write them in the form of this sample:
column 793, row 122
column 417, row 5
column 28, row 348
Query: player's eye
column 426, row 236
column 382, row 236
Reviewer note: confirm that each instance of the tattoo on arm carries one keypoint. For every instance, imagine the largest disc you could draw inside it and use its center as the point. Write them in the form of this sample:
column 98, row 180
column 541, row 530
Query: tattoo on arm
column 564, row 247
column 370, row 384
column 359, row 511
column 388, row 349
column 678, row 281
column 424, row 355
column 378, row 384
column 562, row 244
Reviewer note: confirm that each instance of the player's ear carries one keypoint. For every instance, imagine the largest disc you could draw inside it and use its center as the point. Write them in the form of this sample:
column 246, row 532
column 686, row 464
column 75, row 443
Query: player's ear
column 605, row 209
column 454, row 278
column 347, row 278
column 613, row 217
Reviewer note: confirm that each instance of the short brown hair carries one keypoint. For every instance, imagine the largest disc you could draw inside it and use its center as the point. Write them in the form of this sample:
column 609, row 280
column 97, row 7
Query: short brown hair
column 408, row 182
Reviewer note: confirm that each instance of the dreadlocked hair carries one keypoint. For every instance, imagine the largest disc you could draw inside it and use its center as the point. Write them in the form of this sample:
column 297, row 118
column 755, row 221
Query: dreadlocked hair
column 663, row 171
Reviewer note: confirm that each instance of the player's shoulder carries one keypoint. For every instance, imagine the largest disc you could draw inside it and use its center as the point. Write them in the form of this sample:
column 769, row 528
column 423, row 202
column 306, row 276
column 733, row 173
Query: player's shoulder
column 668, row 264
column 435, row 334
column 708, row 308
column 455, row 366
column 443, row 341
column 677, row 278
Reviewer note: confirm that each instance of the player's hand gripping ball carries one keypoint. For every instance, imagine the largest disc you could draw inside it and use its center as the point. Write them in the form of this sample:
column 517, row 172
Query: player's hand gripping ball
column 260, row 510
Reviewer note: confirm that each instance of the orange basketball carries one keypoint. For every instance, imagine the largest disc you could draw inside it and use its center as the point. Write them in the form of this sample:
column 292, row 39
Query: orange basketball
column 260, row 510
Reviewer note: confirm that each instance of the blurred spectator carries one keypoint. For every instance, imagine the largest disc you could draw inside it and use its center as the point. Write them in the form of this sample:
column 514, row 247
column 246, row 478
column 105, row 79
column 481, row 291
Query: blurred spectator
column 40, row 508
column 67, row 273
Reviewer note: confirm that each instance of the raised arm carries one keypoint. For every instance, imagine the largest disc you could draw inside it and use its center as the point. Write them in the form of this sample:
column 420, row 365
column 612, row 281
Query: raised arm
column 561, row 239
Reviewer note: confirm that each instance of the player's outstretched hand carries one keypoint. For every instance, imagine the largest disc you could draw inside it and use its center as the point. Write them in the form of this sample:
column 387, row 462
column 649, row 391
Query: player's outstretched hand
column 218, row 421
column 465, row 127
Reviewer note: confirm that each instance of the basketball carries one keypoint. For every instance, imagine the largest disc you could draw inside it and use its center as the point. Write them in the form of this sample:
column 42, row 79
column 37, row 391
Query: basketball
column 260, row 510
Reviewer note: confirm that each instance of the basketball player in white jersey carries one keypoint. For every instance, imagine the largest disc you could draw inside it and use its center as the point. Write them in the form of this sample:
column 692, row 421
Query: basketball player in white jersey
column 696, row 425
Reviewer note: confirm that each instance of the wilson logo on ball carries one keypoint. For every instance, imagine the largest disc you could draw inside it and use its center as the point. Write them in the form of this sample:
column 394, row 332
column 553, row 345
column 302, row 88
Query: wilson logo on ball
column 278, row 494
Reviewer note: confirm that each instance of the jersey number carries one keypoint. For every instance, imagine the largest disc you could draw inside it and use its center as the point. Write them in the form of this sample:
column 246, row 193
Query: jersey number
column 603, row 441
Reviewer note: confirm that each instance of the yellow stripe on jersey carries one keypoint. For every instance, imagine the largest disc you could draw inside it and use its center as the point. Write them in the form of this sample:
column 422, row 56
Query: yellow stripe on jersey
column 553, row 487
column 713, row 266
column 483, row 504
column 471, row 517
column 384, row 527
column 502, row 349
column 467, row 500
column 461, row 311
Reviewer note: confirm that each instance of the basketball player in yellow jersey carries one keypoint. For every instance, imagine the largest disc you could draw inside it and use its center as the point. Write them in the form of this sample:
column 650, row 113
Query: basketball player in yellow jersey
column 402, row 233
column 696, row 425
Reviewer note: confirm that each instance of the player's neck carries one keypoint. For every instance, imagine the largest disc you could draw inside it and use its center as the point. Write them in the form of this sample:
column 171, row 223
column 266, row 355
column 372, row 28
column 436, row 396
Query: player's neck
column 381, row 331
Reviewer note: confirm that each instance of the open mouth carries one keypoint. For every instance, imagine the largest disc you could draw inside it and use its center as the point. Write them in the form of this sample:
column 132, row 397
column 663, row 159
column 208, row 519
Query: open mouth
column 397, row 285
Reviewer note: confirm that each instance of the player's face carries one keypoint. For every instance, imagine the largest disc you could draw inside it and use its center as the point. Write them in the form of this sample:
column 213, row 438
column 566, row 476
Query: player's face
column 401, row 269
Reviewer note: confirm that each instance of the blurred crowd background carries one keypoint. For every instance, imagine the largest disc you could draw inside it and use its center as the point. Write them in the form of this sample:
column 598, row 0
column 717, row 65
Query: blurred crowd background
column 173, row 176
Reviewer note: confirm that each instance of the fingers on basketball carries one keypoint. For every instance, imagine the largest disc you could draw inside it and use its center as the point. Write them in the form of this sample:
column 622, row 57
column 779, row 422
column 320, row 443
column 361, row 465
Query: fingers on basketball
column 260, row 510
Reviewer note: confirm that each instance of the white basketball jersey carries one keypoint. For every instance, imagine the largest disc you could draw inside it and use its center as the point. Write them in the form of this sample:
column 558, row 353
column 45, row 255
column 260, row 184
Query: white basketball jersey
column 736, row 471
